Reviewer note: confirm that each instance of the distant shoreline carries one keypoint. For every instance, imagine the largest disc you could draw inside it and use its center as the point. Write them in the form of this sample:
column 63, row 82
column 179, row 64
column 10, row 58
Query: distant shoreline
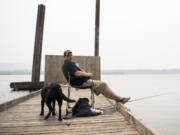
column 17, row 72
column 106, row 72
column 141, row 71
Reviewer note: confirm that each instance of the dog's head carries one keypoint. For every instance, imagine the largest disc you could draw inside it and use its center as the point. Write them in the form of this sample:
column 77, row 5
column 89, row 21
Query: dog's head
column 82, row 101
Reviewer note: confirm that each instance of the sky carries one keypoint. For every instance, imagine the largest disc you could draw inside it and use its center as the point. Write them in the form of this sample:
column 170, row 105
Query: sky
column 134, row 34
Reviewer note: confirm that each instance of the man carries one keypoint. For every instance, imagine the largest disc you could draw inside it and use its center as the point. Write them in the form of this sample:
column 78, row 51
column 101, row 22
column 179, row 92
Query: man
column 77, row 76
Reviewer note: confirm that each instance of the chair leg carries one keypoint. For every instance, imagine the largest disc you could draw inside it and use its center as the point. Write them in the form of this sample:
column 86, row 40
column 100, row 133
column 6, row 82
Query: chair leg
column 92, row 98
column 92, row 95
column 93, row 101
column 68, row 106
column 69, row 92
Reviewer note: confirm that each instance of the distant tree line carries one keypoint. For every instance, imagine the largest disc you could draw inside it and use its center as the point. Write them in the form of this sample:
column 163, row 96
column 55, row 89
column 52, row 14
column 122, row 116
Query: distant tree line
column 142, row 71
column 106, row 72
column 17, row 72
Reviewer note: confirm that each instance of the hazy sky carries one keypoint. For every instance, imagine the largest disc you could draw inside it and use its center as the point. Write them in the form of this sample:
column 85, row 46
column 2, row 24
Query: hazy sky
column 134, row 34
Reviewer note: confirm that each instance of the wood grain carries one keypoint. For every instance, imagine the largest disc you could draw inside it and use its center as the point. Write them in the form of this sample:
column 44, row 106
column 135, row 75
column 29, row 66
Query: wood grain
column 24, row 118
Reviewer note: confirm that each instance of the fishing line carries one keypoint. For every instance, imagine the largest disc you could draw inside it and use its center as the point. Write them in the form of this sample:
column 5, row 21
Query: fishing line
column 147, row 97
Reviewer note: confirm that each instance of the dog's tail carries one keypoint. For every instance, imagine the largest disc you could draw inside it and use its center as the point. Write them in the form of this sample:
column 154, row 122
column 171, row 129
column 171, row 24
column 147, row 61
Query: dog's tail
column 67, row 99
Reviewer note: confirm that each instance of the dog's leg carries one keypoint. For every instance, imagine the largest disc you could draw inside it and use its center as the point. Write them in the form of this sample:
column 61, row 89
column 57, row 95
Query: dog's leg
column 50, row 109
column 42, row 106
column 53, row 111
column 60, row 104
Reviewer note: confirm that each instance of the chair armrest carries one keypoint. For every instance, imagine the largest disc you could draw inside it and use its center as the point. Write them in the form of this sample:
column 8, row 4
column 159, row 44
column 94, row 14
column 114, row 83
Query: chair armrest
column 82, row 87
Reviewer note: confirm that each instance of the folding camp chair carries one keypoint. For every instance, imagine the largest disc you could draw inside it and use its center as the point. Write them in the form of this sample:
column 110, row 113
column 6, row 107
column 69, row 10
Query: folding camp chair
column 79, row 87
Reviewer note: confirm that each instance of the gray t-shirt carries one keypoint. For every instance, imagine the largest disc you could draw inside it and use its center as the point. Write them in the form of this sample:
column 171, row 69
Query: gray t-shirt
column 69, row 68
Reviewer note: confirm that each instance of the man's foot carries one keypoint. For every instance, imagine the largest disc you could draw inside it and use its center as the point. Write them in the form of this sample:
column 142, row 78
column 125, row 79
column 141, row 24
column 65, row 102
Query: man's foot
column 123, row 100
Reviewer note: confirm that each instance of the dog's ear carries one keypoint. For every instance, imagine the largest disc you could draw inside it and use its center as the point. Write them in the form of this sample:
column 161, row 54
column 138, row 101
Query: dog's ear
column 86, row 99
column 79, row 100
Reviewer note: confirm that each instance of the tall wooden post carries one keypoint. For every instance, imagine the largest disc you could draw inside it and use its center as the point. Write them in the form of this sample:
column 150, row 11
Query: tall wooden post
column 38, row 44
column 97, row 16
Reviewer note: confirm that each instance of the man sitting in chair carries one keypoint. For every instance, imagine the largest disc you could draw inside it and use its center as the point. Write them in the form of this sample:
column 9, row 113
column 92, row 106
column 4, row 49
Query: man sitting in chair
column 78, row 77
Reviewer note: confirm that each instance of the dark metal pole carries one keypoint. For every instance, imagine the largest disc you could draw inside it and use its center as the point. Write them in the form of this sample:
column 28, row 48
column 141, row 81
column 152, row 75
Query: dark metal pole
column 38, row 44
column 97, row 27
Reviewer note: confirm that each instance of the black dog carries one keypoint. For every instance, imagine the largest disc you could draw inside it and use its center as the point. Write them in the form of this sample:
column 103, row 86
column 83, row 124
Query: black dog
column 50, row 94
column 82, row 108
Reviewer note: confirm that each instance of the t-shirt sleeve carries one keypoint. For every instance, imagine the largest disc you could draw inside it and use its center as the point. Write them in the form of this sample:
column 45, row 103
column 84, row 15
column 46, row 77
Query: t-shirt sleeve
column 72, row 68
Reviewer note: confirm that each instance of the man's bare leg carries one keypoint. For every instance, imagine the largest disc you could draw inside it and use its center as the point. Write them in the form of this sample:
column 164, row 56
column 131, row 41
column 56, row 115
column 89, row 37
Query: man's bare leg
column 110, row 94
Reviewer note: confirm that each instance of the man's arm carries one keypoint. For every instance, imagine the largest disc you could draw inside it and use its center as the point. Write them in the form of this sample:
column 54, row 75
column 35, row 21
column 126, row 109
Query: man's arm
column 80, row 73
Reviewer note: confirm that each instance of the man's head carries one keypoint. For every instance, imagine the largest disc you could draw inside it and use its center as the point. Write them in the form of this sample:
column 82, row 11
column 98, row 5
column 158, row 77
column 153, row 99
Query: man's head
column 68, row 55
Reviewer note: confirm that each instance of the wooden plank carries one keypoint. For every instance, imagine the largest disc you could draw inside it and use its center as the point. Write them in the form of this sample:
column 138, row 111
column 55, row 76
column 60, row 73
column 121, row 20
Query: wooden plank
column 124, row 131
column 66, row 128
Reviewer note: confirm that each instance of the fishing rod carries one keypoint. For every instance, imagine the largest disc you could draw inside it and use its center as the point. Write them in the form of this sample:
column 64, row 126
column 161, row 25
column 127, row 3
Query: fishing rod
column 147, row 97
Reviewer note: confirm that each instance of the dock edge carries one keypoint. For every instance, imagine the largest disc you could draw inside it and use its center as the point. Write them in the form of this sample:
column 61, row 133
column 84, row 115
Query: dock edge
column 140, row 126
column 13, row 102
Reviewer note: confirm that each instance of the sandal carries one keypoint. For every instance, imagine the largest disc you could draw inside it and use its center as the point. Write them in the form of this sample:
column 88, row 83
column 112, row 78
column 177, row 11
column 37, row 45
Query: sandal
column 123, row 100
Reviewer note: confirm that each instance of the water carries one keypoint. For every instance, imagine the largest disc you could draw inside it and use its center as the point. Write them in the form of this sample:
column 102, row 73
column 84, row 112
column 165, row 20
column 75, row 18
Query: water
column 6, row 93
column 161, row 112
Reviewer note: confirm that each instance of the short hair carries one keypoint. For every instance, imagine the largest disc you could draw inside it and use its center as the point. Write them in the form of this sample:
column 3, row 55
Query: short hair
column 67, row 52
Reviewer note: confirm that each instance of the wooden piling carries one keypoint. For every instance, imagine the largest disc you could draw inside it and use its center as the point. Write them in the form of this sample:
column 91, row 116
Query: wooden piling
column 38, row 44
column 97, row 21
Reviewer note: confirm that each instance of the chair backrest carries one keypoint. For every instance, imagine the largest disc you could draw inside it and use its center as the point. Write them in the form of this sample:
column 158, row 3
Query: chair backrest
column 53, row 65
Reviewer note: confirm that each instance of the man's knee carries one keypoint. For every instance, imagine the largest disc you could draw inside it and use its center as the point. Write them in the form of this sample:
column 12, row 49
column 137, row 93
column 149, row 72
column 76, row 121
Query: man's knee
column 103, row 84
column 99, row 87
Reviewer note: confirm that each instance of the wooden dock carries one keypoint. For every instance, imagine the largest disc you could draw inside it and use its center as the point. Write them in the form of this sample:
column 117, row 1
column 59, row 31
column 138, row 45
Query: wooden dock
column 21, row 116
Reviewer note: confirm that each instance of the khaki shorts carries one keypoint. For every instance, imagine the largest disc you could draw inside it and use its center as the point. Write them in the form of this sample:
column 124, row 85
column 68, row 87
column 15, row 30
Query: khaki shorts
column 97, row 86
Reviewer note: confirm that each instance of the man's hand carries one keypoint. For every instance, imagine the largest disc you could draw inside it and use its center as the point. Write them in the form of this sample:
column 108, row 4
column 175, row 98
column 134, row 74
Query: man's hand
column 80, row 73
column 90, row 75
